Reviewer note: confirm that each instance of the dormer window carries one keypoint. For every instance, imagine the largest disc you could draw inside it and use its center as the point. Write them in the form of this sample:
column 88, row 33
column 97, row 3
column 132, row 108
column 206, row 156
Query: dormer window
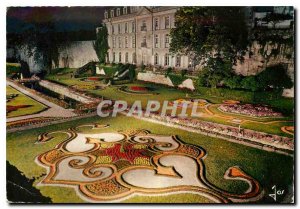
column 118, row 12
column 125, row 11
column 105, row 14
column 112, row 13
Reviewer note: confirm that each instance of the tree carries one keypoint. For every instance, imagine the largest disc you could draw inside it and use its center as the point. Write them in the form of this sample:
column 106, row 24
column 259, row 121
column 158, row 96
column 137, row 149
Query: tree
column 131, row 73
column 233, row 81
column 250, row 83
column 101, row 44
column 275, row 77
column 216, row 70
column 203, row 32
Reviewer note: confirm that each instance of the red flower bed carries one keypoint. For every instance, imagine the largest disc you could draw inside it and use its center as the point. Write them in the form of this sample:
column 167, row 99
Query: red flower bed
column 10, row 108
column 93, row 78
column 138, row 88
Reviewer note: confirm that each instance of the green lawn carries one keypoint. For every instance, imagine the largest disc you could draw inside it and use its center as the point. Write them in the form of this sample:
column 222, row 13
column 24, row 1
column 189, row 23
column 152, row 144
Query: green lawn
column 22, row 99
column 268, row 168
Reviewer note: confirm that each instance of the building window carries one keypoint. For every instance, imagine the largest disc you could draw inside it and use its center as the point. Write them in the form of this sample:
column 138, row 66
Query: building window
column 156, row 59
column 167, row 59
column 119, row 28
column 156, row 41
column 114, row 56
column 113, row 29
column 133, row 57
column 126, row 27
column 156, row 24
column 178, row 61
column 126, row 42
column 118, row 12
column 120, row 57
column 167, row 41
column 144, row 42
column 112, row 13
column 114, row 42
column 144, row 26
column 120, row 42
column 124, row 10
column 126, row 57
column 133, row 41
column 105, row 14
column 167, row 22
column 133, row 27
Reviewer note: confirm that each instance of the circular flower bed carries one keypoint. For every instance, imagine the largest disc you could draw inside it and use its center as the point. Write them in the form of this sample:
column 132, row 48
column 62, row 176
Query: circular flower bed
column 142, row 90
column 250, row 110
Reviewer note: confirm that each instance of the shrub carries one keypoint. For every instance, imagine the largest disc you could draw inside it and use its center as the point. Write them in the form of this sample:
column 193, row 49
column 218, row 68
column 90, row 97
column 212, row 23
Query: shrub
column 169, row 70
column 183, row 72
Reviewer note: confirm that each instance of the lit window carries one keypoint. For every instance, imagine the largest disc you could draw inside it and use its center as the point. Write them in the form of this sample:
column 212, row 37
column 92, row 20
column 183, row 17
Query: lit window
column 114, row 42
column 133, row 41
column 167, row 60
column 156, row 59
column 120, row 42
column 144, row 26
column 124, row 10
column 144, row 42
column 178, row 61
column 167, row 22
column 156, row 24
column 113, row 29
column 133, row 27
column 126, row 27
column 126, row 57
column 156, row 41
column 167, row 41
column 133, row 58
column 126, row 42
column 112, row 13
column 120, row 57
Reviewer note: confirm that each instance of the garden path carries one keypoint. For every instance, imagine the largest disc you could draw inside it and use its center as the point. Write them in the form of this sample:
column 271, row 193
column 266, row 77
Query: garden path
column 53, row 111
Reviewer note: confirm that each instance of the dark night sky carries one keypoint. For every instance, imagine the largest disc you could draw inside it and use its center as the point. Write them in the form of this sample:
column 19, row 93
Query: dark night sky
column 64, row 18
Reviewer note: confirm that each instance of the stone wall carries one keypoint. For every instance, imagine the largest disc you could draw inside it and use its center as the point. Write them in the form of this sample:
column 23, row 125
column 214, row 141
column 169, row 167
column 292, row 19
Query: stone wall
column 66, row 92
column 155, row 78
column 77, row 54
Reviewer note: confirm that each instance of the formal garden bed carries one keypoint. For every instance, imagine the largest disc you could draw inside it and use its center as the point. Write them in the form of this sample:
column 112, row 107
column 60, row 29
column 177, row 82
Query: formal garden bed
column 249, row 110
column 22, row 150
column 143, row 90
column 18, row 104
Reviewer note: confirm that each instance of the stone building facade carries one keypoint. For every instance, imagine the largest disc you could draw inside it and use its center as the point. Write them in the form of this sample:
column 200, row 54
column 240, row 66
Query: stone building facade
column 141, row 35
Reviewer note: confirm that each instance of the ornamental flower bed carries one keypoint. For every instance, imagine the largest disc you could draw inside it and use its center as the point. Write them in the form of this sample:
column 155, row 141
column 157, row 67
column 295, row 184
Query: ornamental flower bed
column 225, row 131
column 93, row 78
column 250, row 110
column 138, row 88
column 10, row 108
